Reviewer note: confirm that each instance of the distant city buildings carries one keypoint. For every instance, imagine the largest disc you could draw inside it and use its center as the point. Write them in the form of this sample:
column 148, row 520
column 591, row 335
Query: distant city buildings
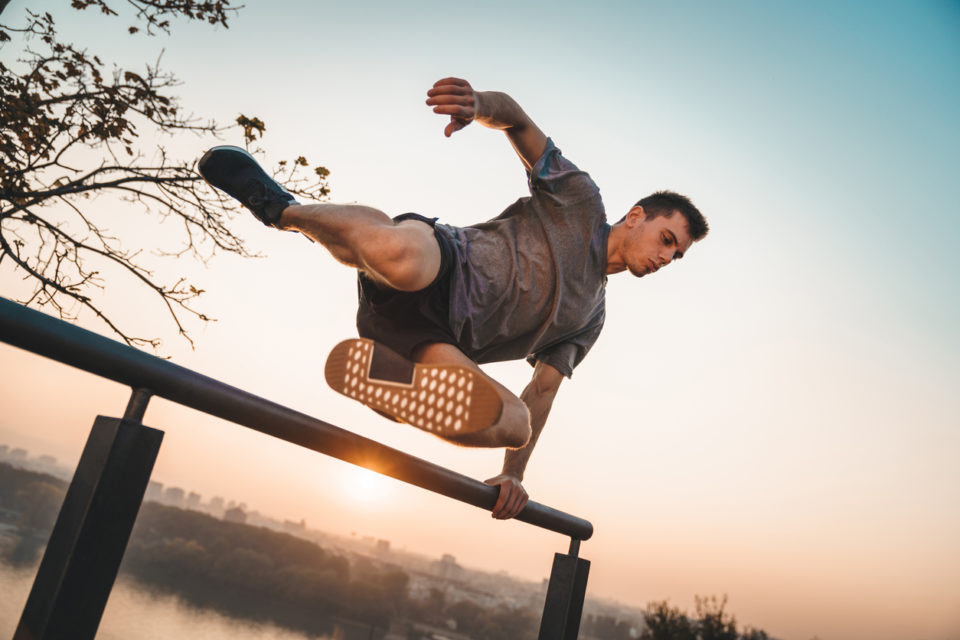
column 295, row 528
column 20, row 458
column 446, row 567
column 235, row 514
column 215, row 507
column 174, row 497
column 154, row 492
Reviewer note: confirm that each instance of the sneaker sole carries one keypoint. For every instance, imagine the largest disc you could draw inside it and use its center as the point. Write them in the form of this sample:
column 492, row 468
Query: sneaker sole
column 445, row 400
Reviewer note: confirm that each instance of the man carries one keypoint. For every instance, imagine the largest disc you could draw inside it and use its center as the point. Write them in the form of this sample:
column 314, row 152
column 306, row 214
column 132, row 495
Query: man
column 436, row 300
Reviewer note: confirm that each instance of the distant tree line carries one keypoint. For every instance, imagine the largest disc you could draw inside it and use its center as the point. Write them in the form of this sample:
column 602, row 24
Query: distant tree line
column 473, row 620
column 30, row 502
column 252, row 572
column 711, row 622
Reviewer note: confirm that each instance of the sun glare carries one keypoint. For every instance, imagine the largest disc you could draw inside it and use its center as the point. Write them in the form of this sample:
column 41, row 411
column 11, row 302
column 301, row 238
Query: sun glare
column 362, row 486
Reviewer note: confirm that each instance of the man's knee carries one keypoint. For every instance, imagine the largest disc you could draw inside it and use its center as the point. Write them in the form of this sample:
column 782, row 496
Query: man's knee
column 515, row 424
column 407, row 259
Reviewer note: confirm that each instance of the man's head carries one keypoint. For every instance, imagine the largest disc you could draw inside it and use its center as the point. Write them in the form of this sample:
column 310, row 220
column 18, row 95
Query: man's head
column 657, row 230
column 664, row 203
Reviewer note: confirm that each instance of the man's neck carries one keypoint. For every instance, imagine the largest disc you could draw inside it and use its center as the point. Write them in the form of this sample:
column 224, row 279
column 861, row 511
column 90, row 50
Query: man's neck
column 615, row 262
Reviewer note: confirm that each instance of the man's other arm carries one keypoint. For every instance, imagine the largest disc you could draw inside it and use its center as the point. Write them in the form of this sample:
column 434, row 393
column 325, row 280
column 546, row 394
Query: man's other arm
column 538, row 396
column 493, row 109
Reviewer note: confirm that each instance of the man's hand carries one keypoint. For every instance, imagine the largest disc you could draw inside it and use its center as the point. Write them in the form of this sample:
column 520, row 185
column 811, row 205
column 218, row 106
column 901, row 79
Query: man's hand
column 456, row 98
column 513, row 497
column 493, row 109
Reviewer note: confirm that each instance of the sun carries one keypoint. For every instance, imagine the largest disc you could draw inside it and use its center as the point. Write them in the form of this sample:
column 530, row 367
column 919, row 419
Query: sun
column 359, row 485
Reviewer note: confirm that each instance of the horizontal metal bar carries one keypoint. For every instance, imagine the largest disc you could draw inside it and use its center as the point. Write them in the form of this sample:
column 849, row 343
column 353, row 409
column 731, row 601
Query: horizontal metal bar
column 53, row 338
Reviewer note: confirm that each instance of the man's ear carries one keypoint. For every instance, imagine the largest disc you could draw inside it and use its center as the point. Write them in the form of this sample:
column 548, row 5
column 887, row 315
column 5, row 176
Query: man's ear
column 635, row 215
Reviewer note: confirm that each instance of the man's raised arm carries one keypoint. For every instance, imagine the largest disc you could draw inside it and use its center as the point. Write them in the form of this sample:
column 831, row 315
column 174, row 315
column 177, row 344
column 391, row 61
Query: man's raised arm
column 456, row 98
column 538, row 396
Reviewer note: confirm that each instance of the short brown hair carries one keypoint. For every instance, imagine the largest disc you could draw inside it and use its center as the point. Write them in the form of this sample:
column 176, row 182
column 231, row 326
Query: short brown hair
column 664, row 203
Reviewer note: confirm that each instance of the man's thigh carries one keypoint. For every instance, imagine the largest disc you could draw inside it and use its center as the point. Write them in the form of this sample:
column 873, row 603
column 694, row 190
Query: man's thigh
column 416, row 254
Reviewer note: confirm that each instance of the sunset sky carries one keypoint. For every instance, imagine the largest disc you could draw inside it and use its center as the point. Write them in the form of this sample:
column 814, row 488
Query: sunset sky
column 775, row 417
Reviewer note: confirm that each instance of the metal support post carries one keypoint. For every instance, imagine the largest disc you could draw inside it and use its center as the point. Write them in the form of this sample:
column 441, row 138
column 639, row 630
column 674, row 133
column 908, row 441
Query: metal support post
column 137, row 405
column 565, row 596
column 83, row 554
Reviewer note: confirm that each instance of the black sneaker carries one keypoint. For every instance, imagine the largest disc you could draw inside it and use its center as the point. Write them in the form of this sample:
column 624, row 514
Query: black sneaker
column 235, row 171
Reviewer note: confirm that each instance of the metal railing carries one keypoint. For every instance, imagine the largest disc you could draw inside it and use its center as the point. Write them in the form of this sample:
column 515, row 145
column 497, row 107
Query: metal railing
column 87, row 543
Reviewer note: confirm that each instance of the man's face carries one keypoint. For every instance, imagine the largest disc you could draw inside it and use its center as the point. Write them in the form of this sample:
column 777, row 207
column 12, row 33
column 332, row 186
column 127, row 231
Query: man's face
column 655, row 243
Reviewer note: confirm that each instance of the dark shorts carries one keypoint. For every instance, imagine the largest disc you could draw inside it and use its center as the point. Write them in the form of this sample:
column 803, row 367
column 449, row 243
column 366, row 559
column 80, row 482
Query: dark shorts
column 403, row 320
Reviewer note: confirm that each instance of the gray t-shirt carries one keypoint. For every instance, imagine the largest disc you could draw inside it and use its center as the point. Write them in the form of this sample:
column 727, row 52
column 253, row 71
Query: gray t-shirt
column 530, row 283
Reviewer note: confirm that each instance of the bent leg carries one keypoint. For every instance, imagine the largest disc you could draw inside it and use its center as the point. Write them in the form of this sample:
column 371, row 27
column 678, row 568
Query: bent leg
column 402, row 256
column 512, row 430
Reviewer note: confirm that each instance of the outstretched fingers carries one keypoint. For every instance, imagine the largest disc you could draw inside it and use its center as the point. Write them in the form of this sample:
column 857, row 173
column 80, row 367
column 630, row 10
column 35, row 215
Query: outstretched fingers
column 449, row 107
column 453, row 97
column 451, row 83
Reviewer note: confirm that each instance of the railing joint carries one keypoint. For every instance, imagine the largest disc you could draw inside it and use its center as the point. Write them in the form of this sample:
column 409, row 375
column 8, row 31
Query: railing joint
column 137, row 405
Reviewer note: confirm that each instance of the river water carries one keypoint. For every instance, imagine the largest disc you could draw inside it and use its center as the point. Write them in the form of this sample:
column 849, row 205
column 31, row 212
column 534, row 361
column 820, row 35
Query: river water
column 133, row 613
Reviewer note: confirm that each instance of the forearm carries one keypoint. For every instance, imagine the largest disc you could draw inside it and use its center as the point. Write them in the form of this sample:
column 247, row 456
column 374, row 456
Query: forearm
column 497, row 110
column 539, row 404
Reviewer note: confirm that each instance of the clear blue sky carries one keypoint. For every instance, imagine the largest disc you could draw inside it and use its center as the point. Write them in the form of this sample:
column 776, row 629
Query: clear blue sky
column 775, row 417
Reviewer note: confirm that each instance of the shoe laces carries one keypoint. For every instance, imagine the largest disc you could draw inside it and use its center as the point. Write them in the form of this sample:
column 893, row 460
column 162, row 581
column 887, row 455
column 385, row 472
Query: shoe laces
column 258, row 192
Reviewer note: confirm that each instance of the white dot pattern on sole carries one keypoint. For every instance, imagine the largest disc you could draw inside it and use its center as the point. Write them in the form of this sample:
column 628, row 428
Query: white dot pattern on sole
column 438, row 399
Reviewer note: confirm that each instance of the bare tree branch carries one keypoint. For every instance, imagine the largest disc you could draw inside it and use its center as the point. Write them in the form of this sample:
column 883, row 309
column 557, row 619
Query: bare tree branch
column 61, row 106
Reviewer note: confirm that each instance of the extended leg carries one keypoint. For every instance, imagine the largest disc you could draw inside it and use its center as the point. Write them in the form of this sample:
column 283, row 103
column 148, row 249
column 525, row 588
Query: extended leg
column 403, row 256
